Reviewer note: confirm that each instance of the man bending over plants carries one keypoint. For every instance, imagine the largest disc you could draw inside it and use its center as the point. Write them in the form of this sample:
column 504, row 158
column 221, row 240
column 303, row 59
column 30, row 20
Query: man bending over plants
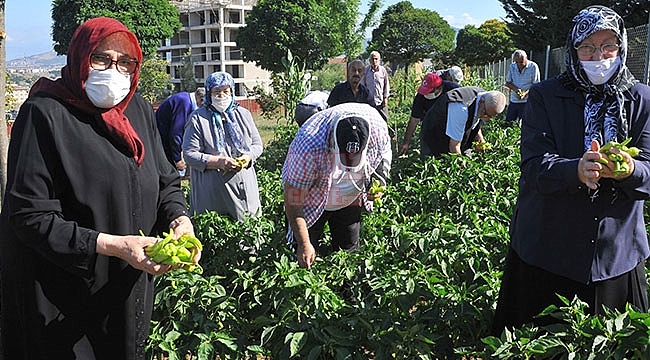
column 327, row 174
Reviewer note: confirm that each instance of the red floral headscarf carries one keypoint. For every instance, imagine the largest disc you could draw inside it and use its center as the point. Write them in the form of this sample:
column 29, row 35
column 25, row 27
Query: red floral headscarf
column 70, row 87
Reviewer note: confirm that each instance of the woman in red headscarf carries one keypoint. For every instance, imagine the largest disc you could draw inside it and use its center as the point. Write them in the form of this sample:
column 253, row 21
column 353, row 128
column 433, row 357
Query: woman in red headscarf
column 86, row 174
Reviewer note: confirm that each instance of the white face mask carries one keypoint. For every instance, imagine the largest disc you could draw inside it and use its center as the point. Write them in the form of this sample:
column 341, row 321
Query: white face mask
column 107, row 88
column 432, row 95
column 600, row 71
column 221, row 103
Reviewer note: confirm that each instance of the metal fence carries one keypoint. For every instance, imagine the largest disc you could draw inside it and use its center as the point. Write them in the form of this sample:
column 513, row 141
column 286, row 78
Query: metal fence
column 551, row 61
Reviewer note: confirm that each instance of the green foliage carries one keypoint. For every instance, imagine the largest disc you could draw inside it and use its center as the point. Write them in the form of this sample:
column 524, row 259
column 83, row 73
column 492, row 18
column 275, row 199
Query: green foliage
column 488, row 43
column 312, row 30
column 426, row 277
column 188, row 81
column 274, row 154
column 615, row 335
column 288, row 88
column 10, row 99
column 471, row 78
column 327, row 77
column 291, row 85
column 403, row 88
column 150, row 20
column 406, row 35
column 536, row 24
column 154, row 82
column 269, row 104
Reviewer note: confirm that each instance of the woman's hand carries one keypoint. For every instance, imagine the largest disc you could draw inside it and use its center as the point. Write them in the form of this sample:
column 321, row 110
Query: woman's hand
column 223, row 163
column 243, row 161
column 130, row 248
column 589, row 171
column 608, row 169
column 183, row 225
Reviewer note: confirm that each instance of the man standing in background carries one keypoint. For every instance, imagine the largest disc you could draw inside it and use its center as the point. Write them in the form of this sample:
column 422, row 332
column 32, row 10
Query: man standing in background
column 353, row 89
column 171, row 117
column 522, row 74
column 376, row 81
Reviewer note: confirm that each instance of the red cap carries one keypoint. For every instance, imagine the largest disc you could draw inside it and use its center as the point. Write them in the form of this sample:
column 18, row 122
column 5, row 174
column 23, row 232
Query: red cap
column 430, row 82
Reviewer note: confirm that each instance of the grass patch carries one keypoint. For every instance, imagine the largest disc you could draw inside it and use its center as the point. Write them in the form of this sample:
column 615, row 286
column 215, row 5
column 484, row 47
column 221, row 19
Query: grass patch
column 266, row 125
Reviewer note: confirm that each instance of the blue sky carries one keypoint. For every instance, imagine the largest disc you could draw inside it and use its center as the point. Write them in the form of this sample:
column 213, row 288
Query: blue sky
column 28, row 23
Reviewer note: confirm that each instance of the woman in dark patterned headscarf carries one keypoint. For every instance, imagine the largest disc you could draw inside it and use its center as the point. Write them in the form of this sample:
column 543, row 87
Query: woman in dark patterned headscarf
column 578, row 226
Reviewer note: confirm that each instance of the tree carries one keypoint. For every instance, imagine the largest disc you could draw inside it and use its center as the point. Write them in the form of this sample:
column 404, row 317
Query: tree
column 188, row 81
column 154, row 80
column 150, row 20
column 311, row 30
column 275, row 26
column 344, row 15
column 488, row 43
column 538, row 23
column 10, row 98
column 407, row 35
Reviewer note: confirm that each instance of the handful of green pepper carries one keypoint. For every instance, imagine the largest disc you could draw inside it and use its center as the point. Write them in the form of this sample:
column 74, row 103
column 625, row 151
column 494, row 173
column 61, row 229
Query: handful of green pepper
column 241, row 161
column 482, row 146
column 375, row 189
column 620, row 166
column 175, row 252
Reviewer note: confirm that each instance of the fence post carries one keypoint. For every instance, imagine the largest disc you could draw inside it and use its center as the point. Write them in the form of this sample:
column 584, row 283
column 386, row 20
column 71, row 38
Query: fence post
column 548, row 56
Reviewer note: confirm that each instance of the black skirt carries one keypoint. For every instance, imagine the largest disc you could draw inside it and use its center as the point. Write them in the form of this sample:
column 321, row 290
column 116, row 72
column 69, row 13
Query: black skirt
column 527, row 290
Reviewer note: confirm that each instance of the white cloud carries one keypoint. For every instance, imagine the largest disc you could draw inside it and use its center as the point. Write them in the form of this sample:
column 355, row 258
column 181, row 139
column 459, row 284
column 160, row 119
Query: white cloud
column 462, row 20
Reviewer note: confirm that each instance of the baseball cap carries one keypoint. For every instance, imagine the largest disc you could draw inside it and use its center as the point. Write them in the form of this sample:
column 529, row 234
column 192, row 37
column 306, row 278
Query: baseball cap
column 430, row 82
column 352, row 138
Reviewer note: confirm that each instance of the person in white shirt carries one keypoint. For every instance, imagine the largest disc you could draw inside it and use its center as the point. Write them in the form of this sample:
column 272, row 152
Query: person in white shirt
column 522, row 75
column 454, row 121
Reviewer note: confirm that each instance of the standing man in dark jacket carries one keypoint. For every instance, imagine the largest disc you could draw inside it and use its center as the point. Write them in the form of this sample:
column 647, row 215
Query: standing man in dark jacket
column 352, row 90
column 455, row 120
column 171, row 116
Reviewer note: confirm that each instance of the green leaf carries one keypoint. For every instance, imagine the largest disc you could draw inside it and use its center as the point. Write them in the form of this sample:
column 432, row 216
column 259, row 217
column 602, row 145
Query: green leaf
column 297, row 342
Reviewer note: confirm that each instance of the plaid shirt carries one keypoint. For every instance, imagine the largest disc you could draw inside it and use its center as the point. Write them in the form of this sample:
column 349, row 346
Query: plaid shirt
column 309, row 162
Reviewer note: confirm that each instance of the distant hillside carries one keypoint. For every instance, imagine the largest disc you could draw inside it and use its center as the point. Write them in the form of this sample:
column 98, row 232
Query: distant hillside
column 44, row 60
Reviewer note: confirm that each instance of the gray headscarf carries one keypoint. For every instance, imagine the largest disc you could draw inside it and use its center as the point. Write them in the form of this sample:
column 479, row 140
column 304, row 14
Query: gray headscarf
column 604, row 115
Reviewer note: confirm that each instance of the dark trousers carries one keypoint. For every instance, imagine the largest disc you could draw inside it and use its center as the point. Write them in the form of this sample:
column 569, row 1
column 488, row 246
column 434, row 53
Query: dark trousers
column 515, row 112
column 344, row 225
column 527, row 290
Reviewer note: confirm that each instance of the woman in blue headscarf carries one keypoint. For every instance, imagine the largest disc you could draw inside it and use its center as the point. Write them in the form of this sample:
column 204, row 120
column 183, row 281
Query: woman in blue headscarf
column 578, row 226
column 220, row 144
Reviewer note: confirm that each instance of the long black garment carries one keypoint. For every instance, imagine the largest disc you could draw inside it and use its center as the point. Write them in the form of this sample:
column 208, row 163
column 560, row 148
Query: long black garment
column 66, row 183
